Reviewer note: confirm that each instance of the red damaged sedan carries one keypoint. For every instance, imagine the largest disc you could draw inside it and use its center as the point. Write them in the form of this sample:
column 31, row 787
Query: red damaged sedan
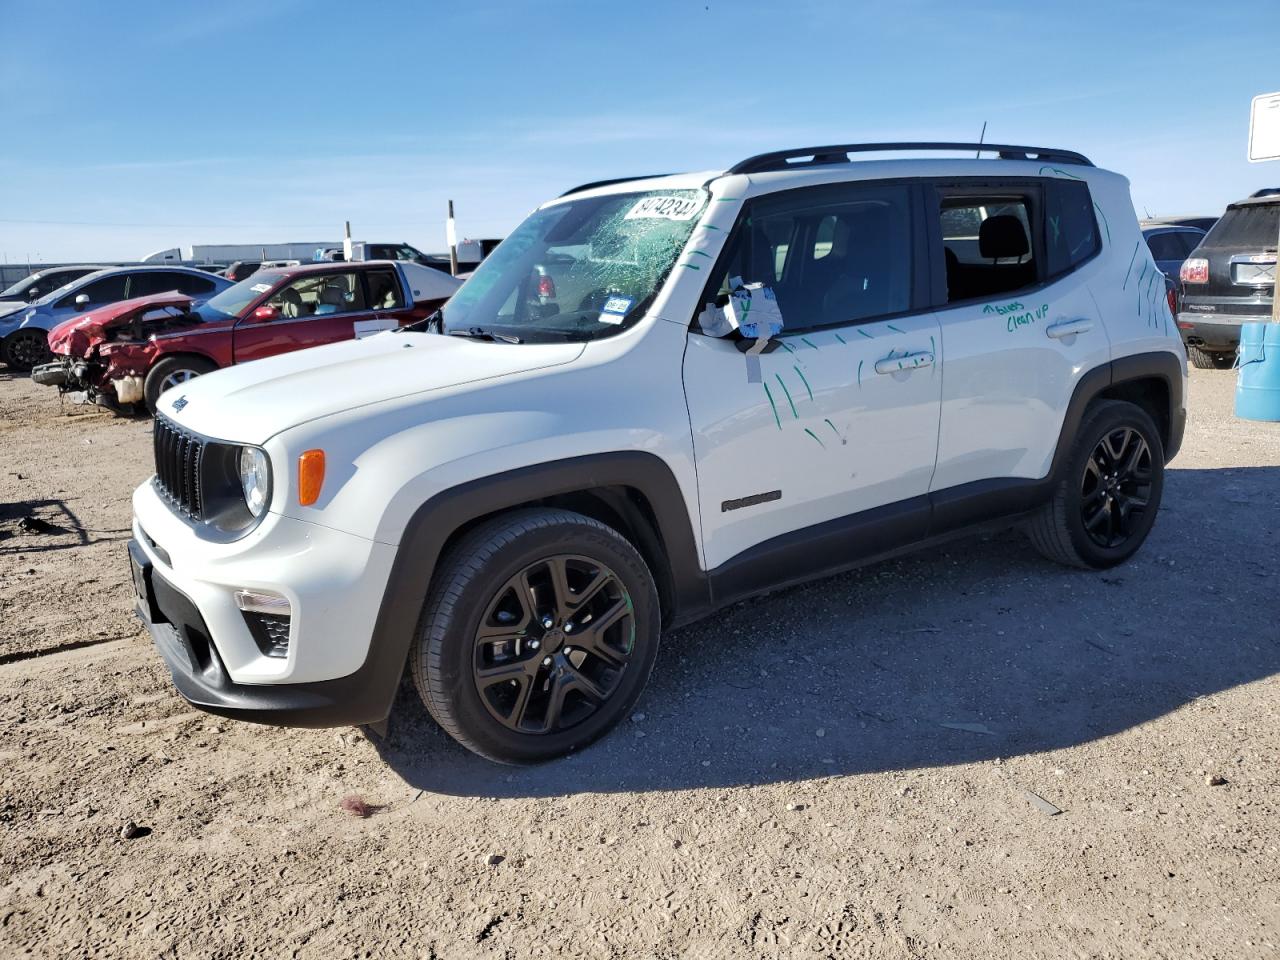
column 128, row 353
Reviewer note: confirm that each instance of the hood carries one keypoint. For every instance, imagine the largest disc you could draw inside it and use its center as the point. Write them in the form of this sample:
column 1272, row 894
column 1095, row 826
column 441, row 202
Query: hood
column 12, row 306
column 75, row 337
column 252, row 402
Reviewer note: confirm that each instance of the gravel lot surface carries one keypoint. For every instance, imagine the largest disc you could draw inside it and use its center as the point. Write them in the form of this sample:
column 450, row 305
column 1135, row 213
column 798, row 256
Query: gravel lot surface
column 866, row 766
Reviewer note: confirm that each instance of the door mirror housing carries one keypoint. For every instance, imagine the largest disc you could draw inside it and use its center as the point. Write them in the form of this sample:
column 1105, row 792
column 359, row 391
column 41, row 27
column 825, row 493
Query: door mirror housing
column 82, row 301
column 266, row 314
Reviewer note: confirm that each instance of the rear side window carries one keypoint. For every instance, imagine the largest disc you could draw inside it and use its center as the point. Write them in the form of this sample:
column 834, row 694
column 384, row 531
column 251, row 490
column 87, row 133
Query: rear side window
column 1071, row 230
column 1247, row 228
column 384, row 290
column 988, row 243
column 1166, row 246
column 194, row 286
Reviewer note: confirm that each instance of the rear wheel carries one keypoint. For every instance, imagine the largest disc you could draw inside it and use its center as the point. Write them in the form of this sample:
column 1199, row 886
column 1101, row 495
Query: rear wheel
column 173, row 372
column 538, row 635
column 1203, row 359
column 24, row 349
column 1106, row 502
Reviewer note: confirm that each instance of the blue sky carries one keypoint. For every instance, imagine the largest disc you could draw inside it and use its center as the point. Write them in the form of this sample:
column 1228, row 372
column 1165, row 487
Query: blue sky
column 132, row 126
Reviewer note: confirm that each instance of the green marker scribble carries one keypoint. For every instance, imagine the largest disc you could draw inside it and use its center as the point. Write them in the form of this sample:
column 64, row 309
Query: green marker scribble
column 1053, row 222
column 1105, row 224
column 816, row 437
column 932, row 348
column 894, row 329
column 1128, row 273
column 788, row 393
column 691, row 266
column 708, row 226
column 841, row 339
column 1059, row 172
column 804, row 381
column 833, row 428
column 865, row 334
column 809, row 342
column 772, row 405
column 859, row 374
column 700, row 253
column 727, row 199
column 786, row 346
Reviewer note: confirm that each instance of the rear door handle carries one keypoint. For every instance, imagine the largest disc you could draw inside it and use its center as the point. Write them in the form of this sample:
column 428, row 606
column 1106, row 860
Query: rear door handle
column 907, row 361
column 1068, row 328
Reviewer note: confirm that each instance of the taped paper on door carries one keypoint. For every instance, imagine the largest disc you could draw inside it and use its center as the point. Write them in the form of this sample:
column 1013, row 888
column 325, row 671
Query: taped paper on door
column 367, row 328
column 665, row 208
column 615, row 309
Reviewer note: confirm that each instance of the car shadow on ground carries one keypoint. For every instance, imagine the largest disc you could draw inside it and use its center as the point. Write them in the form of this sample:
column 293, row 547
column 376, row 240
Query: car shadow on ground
column 974, row 651
column 42, row 526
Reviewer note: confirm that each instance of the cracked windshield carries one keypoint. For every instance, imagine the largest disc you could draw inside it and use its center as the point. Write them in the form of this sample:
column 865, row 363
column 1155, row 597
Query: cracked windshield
column 577, row 270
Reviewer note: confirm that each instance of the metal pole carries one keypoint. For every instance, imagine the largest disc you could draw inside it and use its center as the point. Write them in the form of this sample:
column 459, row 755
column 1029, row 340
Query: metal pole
column 452, row 236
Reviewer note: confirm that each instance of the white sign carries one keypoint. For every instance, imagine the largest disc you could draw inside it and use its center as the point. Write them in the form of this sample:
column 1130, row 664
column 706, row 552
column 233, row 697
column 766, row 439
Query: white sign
column 1264, row 128
column 665, row 208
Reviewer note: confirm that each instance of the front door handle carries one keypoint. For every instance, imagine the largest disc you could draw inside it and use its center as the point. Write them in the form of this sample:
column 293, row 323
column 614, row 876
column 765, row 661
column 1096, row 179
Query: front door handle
column 906, row 361
column 1068, row 328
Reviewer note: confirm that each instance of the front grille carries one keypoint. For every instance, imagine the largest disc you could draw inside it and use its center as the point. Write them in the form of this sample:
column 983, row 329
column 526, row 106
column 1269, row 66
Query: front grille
column 179, row 458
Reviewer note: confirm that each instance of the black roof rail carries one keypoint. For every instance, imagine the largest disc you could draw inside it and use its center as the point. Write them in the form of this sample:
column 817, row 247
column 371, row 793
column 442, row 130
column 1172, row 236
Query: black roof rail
column 839, row 153
column 608, row 183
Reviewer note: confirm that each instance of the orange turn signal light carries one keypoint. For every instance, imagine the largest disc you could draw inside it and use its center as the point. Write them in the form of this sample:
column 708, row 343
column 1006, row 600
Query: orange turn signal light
column 310, row 477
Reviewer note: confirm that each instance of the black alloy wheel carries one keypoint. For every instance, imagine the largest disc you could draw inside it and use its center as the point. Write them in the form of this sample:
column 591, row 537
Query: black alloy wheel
column 26, row 349
column 554, row 644
column 1116, row 488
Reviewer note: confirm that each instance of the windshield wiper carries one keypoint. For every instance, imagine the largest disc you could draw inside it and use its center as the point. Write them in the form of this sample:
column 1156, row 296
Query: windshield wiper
column 479, row 333
column 425, row 324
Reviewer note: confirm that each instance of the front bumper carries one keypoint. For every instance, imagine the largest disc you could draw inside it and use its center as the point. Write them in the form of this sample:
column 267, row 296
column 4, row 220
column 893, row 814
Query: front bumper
column 182, row 638
column 331, row 674
column 1215, row 331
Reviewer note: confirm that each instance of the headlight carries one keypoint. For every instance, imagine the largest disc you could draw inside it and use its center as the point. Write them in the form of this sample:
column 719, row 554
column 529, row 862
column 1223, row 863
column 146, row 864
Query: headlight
column 255, row 479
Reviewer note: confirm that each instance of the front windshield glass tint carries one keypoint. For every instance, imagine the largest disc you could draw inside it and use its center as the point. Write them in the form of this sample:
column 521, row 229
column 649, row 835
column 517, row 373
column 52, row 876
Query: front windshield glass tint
column 232, row 301
column 578, row 270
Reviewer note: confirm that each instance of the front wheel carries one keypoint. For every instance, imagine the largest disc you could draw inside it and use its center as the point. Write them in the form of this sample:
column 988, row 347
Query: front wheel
column 24, row 349
column 1105, row 503
column 538, row 636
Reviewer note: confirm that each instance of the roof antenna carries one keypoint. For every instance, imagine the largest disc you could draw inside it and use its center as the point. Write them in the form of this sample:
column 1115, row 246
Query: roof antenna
column 981, row 139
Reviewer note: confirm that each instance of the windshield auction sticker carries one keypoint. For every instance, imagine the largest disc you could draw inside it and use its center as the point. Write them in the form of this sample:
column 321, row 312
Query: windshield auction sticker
column 665, row 208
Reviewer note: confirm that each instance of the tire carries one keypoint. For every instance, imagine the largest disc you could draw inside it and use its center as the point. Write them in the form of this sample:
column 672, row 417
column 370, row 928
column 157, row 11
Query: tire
column 24, row 349
column 1067, row 529
column 496, row 693
column 1203, row 359
column 170, row 372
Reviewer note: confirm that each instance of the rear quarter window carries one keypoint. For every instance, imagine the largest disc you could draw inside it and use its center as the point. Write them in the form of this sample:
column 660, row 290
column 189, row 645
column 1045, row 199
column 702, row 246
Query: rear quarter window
column 1071, row 230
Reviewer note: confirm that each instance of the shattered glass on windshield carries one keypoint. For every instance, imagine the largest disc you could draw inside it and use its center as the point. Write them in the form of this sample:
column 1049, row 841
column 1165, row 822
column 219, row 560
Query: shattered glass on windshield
column 578, row 270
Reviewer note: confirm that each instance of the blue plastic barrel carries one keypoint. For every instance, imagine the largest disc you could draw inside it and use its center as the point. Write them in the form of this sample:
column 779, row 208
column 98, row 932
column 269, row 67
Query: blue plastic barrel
column 1258, row 380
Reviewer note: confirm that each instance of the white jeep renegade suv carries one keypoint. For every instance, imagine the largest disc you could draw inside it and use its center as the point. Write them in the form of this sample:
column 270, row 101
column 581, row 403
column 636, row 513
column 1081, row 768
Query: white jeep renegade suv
column 657, row 397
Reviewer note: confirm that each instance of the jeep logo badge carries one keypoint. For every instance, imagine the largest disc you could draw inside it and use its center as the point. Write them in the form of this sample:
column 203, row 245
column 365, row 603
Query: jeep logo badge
column 179, row 404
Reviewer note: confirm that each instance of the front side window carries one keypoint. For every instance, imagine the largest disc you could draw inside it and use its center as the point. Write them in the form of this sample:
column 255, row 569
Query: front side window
column 578, row 270
column 831, row 255
column 319, row 296
column 106, row 290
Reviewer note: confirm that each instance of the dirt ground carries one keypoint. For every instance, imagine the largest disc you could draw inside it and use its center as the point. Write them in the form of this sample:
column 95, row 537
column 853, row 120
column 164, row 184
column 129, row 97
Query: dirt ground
column 845, row 769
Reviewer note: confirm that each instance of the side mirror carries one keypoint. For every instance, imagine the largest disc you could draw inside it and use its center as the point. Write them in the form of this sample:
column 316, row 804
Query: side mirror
column 266, row 314
column 33, row 293
column 82, row 301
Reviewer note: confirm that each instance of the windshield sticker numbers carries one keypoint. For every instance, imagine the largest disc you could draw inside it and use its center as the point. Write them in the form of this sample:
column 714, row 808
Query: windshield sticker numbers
column 615, row 309
column 665, row 208
column 260, row 287
column 1017, row 313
